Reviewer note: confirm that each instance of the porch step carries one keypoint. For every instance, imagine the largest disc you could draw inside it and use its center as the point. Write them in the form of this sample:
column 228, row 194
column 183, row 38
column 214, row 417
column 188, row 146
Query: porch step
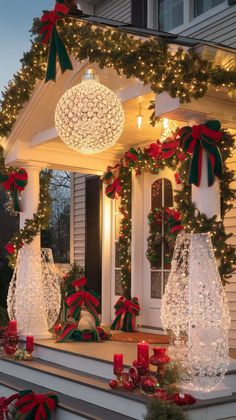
column 79, row 385
column 68, row 408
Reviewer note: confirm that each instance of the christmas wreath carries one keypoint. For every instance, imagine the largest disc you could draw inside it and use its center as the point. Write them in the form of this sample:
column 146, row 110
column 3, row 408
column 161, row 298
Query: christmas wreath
column 158, row 235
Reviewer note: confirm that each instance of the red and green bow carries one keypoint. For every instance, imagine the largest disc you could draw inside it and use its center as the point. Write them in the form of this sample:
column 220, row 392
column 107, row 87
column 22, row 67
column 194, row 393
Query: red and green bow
column 112, row 179
column 126, row 312
column 71, row 331
column 36, row 406
column 32, row 406
column 169, row 148
column 49, row 34
column 173, row 221
column 15, row 182
column 82, row 298
column 198, row 138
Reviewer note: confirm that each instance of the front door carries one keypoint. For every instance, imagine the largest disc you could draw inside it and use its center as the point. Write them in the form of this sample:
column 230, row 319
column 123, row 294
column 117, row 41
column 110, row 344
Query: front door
column 157, row 193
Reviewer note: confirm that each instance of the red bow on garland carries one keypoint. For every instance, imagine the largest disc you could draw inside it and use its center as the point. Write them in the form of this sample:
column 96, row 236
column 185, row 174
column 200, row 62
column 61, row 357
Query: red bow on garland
column 49, row 33
column 112, row 178
column 198, row 138
column 174, row 221
column 15, row 182
column 169, row 148
column 76, row 300
column 126, row 311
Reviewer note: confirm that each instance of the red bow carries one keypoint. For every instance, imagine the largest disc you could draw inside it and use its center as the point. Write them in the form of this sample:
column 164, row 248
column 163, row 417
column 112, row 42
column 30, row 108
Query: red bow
column 79, row 282
column 114, row 190
column 41, row 404
column 16, row 180
column 49, row 20
column 154, row 150
column 197, row 130
column 77, row 299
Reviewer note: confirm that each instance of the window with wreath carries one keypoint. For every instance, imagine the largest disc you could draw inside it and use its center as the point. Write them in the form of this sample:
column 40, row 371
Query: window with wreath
column 160, row 242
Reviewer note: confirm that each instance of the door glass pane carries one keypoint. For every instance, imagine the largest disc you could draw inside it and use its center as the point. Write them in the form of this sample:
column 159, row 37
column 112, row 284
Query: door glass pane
column 201, row 6
column 170, row 14
column 157, row 194
column 168, row 193
column 166, row 276
column 118, row 285
column 156, row 285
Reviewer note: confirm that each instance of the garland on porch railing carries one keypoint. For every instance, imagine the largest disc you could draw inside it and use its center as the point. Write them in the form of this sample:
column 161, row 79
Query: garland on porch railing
column 182, row 74
column 170, row 154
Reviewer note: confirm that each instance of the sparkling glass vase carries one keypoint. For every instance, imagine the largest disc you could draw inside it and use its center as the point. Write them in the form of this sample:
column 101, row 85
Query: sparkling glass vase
column 195, row 312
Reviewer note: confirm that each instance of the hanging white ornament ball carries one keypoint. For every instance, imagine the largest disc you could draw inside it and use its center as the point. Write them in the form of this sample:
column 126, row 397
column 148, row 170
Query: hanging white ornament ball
column 89, row 117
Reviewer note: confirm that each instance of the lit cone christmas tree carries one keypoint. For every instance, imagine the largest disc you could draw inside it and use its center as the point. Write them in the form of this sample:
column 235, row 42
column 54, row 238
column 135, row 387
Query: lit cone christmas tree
column 194, row 309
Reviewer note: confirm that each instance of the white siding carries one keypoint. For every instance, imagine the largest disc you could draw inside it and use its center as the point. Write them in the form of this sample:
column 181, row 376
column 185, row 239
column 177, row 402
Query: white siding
column 113, row 9
column 219, row 28
column 230, row 223
column 79, row 219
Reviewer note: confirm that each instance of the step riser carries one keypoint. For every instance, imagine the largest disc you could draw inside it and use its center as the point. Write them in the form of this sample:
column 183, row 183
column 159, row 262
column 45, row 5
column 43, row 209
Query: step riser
column 59, row 415
column 218, row 412
column 80, row 363
column 91, row 395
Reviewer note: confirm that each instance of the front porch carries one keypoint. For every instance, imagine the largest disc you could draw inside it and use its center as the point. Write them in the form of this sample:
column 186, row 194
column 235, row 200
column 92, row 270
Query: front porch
column 80, row 372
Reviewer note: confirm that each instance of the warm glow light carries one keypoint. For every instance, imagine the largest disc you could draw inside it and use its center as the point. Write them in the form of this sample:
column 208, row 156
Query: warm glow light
column 89, row 117
column 139, row 121
column 168, row 128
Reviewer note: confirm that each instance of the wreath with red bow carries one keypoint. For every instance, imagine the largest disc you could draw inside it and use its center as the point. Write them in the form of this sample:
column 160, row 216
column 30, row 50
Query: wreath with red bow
column 157, row 235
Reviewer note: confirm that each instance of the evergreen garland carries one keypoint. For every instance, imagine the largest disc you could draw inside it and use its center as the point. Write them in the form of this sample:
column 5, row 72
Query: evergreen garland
column 182, row 74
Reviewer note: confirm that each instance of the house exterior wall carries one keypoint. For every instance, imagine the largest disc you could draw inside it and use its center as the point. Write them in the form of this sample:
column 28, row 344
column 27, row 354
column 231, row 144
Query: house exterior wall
column 113, row 9
column 78, row 219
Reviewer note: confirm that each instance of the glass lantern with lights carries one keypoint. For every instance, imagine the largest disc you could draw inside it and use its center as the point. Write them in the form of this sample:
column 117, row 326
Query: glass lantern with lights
column 89, row 117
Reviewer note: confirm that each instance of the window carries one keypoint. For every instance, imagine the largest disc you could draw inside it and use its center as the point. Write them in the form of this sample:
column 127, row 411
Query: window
column 201, row 6
column 170, row 14
column 161, row 196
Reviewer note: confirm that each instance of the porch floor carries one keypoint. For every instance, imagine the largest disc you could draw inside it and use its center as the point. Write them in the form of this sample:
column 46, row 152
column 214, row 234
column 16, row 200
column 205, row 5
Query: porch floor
column 104, row 351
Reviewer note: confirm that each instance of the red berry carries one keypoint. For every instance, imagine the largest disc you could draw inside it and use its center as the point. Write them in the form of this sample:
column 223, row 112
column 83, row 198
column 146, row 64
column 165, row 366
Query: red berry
column 128, row 385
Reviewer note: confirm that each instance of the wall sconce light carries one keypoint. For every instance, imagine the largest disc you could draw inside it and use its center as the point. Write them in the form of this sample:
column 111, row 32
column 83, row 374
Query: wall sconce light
column 139, row 121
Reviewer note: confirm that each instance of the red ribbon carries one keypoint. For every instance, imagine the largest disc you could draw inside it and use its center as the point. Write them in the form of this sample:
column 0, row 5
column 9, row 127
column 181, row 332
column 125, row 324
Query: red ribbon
column 11, row 181
column 154, row 150
column 168, row 148
column 114, row 190
column 81, row 298
column 42, row 403
column 49, row 20
column 125, row 306
column 79, row 282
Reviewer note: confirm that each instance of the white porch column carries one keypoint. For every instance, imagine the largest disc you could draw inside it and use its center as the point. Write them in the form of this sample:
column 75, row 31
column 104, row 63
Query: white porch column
column 106, row 259
column 207, row 199
column 29, row 297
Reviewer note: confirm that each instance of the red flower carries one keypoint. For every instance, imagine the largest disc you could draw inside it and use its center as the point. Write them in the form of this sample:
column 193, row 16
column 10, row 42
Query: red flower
column 154, row 150
column 10, row 248
column 113, row 384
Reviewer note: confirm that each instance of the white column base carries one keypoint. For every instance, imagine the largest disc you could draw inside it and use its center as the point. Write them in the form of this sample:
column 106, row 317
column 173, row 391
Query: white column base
column 220, row 392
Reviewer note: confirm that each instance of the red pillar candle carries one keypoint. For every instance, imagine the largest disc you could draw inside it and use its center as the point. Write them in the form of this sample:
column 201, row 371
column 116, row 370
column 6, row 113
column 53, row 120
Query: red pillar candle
column 12, row 327
column 30, row 343
column 143, row 354
column 118, row 364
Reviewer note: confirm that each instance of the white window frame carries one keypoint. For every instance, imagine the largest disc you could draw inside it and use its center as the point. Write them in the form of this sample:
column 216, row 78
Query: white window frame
column 189, row 19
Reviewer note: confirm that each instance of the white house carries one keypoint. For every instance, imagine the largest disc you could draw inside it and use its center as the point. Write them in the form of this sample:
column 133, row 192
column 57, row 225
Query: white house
column 213, row 21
